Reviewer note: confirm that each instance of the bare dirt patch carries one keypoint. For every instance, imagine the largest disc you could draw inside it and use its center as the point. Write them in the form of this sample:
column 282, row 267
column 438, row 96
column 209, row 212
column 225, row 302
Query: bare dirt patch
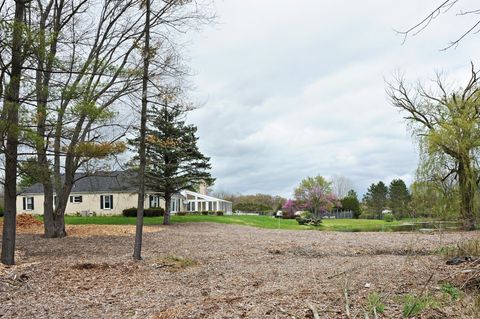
column 224, row 271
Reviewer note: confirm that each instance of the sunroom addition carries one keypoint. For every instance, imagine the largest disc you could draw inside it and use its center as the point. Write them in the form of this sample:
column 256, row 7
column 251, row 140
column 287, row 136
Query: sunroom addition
column 196, row 202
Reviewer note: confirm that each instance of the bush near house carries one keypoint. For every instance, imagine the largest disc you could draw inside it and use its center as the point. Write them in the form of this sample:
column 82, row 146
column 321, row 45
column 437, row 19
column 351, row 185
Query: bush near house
column 389, row 217
column 148, row 212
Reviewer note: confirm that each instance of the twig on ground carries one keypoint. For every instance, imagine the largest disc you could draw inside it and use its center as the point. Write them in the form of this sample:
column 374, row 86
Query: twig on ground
column 347, row 303
column 314, row 310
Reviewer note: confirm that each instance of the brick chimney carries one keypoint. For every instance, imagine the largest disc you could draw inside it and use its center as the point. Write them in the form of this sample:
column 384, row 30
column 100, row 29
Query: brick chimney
column 202, row 188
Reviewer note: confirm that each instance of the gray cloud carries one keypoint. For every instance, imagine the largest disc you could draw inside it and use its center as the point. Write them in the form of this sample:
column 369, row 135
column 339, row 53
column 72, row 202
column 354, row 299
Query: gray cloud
column 297, row 89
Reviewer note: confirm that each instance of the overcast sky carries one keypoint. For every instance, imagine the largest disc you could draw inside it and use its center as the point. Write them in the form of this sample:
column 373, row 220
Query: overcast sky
column 295, row 88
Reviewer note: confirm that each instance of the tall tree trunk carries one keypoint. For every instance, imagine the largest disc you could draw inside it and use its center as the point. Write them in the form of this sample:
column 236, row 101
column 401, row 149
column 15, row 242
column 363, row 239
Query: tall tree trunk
column 42, row 82
column 48, row 221
column 466, row 183
column 137, row 250
column 56, row 227
column 166, row 215
column 12, row 105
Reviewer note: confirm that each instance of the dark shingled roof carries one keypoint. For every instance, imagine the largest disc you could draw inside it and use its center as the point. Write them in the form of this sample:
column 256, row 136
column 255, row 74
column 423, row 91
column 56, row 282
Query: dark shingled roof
column 118, row 181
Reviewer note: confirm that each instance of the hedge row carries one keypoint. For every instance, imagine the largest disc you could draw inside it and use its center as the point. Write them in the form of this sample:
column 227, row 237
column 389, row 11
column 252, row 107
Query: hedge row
column 148, row 212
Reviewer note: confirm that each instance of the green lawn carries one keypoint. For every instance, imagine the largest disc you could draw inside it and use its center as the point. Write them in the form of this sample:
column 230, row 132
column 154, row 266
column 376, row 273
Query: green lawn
column 255, row 221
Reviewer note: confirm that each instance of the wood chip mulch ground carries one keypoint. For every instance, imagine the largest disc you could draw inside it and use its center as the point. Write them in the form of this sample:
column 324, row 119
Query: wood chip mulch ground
column 203, row 270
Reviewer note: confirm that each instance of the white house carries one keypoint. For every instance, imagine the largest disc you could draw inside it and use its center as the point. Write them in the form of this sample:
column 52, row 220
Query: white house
column 111, row 193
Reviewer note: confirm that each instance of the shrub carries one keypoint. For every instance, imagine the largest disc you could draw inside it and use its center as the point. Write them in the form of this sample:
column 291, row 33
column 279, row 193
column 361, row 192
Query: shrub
column 219, row 213
column 388, row 218
column 211, row 212
column 148, row 212
column 1, row 211
column 182, row 213
column 452, row 291
column 309, row 221
column 204, row 212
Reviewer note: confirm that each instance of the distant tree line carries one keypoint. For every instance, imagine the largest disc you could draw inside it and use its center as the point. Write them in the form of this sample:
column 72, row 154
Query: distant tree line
column 258, row 203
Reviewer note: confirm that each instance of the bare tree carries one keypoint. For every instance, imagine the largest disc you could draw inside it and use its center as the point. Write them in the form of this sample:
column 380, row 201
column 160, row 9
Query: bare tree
column 442, row 8
column 341, row 185
column 137, row 250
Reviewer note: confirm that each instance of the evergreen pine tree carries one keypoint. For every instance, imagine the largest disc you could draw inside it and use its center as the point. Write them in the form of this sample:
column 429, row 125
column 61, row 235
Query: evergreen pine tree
column 376, row 199
column 398, row 197
column 174, row 162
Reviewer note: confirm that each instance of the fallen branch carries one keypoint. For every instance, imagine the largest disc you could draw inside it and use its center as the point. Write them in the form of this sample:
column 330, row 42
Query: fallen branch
column 347, row 304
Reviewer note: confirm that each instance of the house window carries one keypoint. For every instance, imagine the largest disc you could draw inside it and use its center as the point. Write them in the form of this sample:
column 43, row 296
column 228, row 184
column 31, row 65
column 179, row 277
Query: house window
column 106, row 202
column 76, row 199
column 154, row 201
column 28, row 203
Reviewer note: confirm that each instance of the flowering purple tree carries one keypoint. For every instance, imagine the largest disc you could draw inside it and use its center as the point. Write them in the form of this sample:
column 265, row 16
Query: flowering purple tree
column 315, row 194
column 289, row 208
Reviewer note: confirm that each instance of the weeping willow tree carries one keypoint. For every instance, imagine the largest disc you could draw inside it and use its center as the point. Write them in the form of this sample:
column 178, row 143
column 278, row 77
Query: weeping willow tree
column 446, row 124
column 435, row 190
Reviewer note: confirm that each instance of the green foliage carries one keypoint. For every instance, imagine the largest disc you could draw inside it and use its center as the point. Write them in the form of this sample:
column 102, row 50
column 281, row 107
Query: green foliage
column 148, row 212
column 451, row 291
column 388, row 218
column 351, row 202
column 31, row 172
column 376, row 199
column 374, row 303
column 399, row 198
column 314, row 182
column 260, row 203
column 251, row 207
column 432, row 199
column 1, row 211
column 447, row 126
column 174, row 162
column 92, row 111
column 309, row 221
column 346, row 225
column 414, row 305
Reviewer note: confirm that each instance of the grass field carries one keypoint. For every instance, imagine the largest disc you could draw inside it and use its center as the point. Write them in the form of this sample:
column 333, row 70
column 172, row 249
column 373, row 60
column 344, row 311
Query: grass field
column 255, row 221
